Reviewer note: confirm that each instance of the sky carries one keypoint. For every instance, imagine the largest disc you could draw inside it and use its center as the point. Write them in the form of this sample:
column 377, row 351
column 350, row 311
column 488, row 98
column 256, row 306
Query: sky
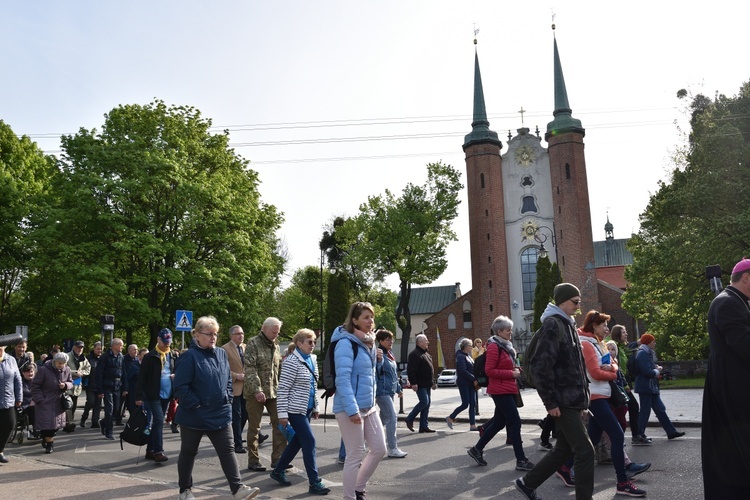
column 335, row 101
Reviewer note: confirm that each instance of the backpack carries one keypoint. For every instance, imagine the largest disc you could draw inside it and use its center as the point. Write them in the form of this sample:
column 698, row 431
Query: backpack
column 531, row 351
column 136, row 431
column 329, row 368
column 479, row 368
column 632, row 367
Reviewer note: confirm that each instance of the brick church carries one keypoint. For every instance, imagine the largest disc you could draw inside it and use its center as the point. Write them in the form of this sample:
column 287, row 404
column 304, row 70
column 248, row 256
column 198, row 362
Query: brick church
column 524, row 201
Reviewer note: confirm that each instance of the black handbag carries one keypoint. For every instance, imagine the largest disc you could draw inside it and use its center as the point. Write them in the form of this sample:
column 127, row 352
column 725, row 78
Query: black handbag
column 517, row 396
column 67, row 401
column 619, row 397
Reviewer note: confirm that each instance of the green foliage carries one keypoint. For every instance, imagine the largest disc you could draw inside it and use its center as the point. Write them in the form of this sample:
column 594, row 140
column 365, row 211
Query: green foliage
column 25, row 176
column 547, row 276
column 299, row 304
column 695, row 220
column 151, row 215
column 406, row 235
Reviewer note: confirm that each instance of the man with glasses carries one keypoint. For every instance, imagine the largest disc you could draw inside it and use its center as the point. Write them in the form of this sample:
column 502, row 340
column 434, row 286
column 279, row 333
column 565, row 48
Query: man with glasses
column 262, row 366
column 236, row 354
column 560, row 376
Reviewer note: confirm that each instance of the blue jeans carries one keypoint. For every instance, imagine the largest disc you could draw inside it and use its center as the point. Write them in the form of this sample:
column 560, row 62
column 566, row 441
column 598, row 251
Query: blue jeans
column 506, row 413
column 239, row 419
column 468, row 400
column 342, row 451
column 111, row 404
column 303, row 439
column 422, row 408
column 389, row 419
column 604, row 420
column 156, row 409
column 649, row 402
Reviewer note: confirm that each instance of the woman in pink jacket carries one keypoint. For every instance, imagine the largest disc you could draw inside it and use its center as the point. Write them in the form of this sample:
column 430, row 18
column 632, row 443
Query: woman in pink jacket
column 502, row 371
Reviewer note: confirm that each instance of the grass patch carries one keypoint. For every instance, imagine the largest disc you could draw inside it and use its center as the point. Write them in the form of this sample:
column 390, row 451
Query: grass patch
column 683, row 383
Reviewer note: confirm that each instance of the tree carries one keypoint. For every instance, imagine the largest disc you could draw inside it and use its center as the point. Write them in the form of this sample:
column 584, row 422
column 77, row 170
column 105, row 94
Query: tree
column 299, row 304
column 695, row 219
column 547, row 276
column 153, row 214
column 25, row 175
column 406, row 236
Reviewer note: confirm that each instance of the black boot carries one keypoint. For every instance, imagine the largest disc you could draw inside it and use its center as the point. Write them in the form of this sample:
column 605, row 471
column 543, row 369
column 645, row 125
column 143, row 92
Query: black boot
column 49, row 447
column 83, row 422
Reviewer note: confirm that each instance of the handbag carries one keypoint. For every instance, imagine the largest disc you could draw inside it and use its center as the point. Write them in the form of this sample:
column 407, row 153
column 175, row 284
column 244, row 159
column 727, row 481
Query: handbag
column 67, row 401
column 517, row 396
column 618, row 397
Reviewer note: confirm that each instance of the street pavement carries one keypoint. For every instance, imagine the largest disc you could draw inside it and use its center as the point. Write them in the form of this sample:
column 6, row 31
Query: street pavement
column 86, row 466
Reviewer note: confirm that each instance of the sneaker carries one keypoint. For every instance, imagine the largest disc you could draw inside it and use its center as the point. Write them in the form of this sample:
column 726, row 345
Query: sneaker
column 280, row 477
column 633, row 469
column 477, row 455
column 628, row 489
column 449, row 421
column 246, row 493
column 396, row 453
column 527, row 492
column 186, row 495
column 256, row 468
column 545, row 447
column 524, row 464
column 641, row 440
column 319, row 489
column 360, row 495
column 675, row 435
column 565, row 477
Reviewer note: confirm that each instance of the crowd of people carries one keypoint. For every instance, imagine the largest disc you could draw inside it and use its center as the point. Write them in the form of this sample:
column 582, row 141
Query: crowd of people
column 219, row 391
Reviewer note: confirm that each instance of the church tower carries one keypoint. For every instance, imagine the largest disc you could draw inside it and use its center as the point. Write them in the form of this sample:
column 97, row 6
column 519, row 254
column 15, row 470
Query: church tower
column 570, row 195
column 484, row 183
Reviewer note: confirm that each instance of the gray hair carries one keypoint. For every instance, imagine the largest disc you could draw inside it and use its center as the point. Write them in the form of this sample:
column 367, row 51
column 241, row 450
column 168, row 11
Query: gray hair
column 116, row 341
column 501, row 323
column 419, row 337
column 271, row 322
column 465, row 343
column 60, row 356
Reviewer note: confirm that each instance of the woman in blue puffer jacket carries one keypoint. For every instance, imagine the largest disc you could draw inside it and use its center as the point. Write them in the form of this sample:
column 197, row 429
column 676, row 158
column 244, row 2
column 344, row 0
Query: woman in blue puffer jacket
column 354, row 401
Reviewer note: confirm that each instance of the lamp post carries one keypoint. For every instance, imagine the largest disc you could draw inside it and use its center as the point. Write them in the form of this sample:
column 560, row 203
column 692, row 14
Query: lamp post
column 541, row 238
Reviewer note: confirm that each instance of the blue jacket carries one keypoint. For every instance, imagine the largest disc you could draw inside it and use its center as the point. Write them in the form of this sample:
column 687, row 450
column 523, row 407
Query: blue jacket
column 11, row 391
column 464, row 369
column 355, row 378
column 646, row 382
column 388, row 381
column 203, row 385
column 109, row 372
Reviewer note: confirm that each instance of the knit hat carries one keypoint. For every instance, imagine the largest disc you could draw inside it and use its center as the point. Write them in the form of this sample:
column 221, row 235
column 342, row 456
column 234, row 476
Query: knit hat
column 565, row 291
column 646, row 339
column 165, row 335
column 741, row 266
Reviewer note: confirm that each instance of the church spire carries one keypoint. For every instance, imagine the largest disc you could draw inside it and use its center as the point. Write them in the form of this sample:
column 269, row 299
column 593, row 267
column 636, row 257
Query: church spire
column 480, row 126
column 564, row 121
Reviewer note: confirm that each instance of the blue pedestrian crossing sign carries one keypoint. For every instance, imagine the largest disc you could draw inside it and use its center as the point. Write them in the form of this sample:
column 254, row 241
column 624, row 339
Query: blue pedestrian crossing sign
column 184, row 321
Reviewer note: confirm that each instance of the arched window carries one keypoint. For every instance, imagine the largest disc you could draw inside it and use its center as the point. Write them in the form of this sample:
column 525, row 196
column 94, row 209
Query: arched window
column 467, row 314
column 451, row 321
column 527, row 181
column 529, row 205
column 528, row 275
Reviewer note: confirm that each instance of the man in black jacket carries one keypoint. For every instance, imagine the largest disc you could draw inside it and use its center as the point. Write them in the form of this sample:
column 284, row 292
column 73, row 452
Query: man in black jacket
column 422, row 379
column 560, row 377
column 109, row 383
column 154, row 391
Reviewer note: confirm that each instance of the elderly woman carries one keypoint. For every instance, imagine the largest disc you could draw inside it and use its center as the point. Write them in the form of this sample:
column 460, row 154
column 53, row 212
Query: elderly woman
column 47, row 390
column 388, row 386
column 467, row 384
column 203, row 385
column 297, row 403
column 11, row 396
column 502, row 371
column 27, row 376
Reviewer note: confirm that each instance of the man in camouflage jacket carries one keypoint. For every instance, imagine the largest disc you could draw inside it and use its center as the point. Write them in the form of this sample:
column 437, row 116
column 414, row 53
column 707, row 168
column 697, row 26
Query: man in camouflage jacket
column 262, row 366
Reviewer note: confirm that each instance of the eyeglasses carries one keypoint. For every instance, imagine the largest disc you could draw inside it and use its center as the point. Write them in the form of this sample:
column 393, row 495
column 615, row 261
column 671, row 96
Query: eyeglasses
column 238, row 333
column 576, row 302
column 309, row 342
column 209, row 334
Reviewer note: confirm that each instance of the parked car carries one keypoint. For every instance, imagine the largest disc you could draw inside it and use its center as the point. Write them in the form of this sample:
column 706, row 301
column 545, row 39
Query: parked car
column 404, row 379
column 447, row 377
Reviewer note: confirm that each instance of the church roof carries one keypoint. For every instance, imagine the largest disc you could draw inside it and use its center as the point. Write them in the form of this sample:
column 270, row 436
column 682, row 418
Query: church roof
column 564, row 121
column 431, row 299
column 612, row 252
column 480, row 126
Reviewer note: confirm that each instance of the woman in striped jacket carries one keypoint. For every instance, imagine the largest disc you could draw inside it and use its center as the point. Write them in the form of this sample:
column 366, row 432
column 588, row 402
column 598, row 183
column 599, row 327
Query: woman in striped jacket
column 296, row 403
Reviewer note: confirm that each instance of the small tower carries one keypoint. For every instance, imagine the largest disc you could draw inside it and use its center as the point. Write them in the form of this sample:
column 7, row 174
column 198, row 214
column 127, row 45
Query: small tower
column 570, row 194
column 484, row 184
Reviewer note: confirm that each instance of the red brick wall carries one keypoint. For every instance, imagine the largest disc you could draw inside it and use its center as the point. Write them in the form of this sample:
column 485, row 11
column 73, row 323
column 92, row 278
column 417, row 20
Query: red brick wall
column 448, row 337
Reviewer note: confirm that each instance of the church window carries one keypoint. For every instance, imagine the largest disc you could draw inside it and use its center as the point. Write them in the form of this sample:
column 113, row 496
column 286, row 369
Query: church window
column 451, row 321
column 481, row 179
column 527, row 181
column 529, row 205
column 467, row 314
column 567, row 171
column 486, row 213
column 528, row 275
column 490, row 283
column 490, row 307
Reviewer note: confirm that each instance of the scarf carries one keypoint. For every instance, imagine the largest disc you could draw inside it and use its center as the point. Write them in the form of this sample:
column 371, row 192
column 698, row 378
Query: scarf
column 162, row 354
column 505, row 344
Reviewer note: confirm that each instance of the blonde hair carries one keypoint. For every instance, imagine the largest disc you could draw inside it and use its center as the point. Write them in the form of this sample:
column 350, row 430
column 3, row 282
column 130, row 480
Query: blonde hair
column 303, row 334
column 206, row 322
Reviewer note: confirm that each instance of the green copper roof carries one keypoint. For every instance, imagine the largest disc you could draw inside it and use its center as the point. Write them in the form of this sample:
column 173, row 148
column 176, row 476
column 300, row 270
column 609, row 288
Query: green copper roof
column 480, row 127
column 564, row 121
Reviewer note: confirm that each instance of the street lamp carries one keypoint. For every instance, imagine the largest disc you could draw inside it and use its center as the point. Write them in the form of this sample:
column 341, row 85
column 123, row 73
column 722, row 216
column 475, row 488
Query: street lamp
column 540, row 238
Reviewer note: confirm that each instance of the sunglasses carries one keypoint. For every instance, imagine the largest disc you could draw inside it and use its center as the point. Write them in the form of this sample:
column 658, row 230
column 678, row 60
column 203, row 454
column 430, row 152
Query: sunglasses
column 576, row 302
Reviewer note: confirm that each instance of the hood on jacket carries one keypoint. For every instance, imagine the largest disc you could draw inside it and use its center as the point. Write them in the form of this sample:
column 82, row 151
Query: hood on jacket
column 553, row 310
column 341, row 333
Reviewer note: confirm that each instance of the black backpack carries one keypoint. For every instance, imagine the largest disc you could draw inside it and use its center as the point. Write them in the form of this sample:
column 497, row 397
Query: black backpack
column 632, row 367
column 136, row 431
column 531, row 350
column 329, row 368
column 479, row 368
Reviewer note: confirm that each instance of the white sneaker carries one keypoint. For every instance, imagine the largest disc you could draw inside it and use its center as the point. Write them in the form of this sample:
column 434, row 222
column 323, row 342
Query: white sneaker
column 396, row 453
column 186, row 495
column 246, row 492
